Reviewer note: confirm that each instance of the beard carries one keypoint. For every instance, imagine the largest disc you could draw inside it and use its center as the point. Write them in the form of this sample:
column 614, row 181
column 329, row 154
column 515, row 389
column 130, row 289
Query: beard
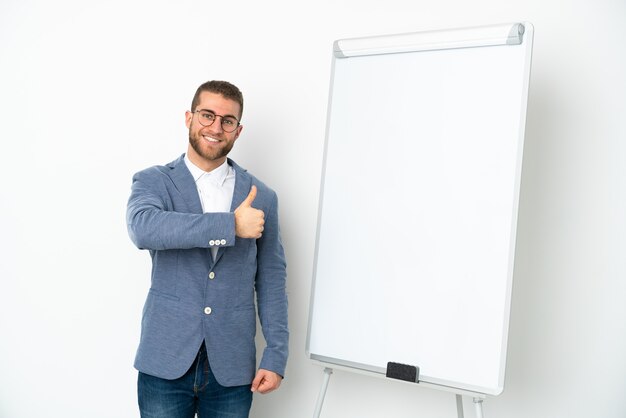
column 196, row 142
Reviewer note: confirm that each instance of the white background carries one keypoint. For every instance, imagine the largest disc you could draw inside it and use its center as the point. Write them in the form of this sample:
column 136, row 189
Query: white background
column 91, row 92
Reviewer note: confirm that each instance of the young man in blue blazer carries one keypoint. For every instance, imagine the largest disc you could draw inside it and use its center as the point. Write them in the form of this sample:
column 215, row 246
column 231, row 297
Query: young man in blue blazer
column 212, row 232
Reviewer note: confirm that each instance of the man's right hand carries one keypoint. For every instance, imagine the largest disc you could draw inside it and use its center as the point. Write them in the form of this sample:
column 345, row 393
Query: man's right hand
column 248, row 220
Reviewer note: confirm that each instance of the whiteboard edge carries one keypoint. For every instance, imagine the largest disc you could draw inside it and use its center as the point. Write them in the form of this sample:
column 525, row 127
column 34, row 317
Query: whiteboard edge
column 528, row 42
column 379, row 373
column 467, row 37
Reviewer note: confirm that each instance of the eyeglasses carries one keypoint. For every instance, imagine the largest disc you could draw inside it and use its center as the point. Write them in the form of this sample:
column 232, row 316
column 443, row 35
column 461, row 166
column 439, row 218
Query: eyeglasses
column 207, row 117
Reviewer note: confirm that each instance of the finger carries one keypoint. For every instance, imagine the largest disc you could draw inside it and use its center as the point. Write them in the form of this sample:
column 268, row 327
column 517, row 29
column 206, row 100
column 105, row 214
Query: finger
column 250, row 198
column 256, row 382
column 265, row 387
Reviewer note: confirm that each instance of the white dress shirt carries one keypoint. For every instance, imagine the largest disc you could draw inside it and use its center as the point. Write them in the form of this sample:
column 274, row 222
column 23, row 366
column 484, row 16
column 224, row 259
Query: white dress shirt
column 215, row 189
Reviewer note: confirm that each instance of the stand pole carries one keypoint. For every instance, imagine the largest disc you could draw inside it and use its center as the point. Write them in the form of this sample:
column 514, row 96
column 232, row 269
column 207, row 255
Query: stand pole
column 459, row 406
column 478, row 407
column 320, row 399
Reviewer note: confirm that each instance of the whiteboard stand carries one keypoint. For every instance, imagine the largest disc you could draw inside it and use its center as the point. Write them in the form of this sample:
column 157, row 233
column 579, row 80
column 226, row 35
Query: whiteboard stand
column 478, row 407
column 459, row 406
column 320, row 399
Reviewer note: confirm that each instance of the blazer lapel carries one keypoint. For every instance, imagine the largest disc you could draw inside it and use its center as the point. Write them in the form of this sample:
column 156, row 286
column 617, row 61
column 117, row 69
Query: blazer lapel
column 185, row 184
column 243, row 182
column 242, row 185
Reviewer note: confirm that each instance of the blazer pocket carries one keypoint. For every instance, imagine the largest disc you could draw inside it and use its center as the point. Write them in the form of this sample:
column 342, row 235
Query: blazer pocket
column 157, row 293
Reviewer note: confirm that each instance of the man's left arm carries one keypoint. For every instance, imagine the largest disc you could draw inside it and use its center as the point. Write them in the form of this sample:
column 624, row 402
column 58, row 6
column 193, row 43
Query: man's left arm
column 272, row 302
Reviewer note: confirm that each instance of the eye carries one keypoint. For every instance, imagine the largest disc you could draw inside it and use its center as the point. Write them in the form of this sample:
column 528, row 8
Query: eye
column 207, row 115
column 229, row 121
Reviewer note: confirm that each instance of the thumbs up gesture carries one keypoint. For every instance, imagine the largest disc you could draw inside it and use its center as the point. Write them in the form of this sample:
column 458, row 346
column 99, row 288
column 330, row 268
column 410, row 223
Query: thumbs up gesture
column 248, row 220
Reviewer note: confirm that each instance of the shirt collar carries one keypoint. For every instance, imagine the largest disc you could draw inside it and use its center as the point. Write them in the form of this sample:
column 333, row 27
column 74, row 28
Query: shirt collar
column 217, row 175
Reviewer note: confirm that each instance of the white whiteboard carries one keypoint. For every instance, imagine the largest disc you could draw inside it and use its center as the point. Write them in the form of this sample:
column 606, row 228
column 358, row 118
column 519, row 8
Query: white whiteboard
column 418, row 207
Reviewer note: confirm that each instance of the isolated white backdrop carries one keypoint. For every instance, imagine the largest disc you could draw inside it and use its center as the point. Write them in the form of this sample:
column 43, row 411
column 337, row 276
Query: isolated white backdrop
column 91, row 92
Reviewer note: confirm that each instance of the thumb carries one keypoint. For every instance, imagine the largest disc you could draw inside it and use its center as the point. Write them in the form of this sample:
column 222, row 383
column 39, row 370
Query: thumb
column 250, row 198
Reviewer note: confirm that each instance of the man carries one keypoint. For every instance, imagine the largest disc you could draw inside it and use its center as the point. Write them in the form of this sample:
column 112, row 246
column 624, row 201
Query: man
column 212, row 232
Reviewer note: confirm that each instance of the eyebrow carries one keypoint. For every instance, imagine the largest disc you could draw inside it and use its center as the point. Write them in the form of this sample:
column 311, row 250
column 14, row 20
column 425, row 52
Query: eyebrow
column 212, row 111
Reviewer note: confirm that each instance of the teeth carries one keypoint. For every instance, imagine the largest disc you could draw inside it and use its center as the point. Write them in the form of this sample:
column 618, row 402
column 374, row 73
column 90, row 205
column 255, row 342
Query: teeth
column 208, row 138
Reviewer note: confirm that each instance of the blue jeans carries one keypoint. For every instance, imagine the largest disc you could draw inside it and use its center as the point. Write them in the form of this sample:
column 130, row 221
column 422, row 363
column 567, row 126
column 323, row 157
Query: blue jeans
column 196, row 391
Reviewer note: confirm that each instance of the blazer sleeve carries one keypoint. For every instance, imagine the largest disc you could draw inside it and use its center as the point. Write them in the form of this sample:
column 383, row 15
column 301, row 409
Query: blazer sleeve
column 271, row 293
column 156, row 221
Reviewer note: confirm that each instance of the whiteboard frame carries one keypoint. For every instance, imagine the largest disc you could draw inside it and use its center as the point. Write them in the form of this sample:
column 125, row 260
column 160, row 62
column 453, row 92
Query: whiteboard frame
column 511, row 34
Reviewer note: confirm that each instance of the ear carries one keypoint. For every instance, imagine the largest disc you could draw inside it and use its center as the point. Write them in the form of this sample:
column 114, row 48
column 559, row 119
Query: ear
column 188, row 117
column 238, row 131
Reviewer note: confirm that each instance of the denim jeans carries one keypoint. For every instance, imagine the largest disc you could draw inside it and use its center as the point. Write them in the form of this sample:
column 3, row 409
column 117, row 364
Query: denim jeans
column 196, row 391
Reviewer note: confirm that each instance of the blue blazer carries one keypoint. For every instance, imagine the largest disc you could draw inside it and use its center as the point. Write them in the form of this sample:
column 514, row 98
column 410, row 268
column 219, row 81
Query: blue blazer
column 193, row 298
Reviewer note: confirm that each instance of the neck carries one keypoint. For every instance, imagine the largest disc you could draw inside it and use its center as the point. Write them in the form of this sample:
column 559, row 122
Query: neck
column 203, row 163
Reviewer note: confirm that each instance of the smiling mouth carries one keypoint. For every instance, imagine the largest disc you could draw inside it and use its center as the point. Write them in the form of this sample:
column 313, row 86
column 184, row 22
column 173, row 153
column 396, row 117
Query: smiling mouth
column 210, row 139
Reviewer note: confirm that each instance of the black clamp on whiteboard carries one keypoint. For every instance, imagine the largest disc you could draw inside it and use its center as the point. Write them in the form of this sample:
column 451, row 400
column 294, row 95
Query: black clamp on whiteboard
column 403, row 372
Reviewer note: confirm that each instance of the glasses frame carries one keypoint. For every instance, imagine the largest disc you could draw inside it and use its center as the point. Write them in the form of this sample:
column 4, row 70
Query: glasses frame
column 221, row 119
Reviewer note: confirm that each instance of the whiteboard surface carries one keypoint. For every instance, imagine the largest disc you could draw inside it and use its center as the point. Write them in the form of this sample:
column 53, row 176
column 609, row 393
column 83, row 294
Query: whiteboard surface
column 416, row 231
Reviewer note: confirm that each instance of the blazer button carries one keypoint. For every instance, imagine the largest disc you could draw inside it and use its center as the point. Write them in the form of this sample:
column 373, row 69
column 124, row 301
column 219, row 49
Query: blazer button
column 223, row 242
column 211, row 275
column 212, row 243
column 207, row 310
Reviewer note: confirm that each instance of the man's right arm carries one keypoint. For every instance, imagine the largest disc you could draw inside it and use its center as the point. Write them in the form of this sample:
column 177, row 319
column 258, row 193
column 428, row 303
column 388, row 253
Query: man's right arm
column 154, row 225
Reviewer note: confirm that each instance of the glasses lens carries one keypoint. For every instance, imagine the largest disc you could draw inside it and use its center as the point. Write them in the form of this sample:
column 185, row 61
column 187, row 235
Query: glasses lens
column 229, row 123
column 206, row 118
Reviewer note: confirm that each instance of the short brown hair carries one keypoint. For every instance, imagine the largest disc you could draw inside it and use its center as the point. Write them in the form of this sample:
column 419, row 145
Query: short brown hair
column 224, row 88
